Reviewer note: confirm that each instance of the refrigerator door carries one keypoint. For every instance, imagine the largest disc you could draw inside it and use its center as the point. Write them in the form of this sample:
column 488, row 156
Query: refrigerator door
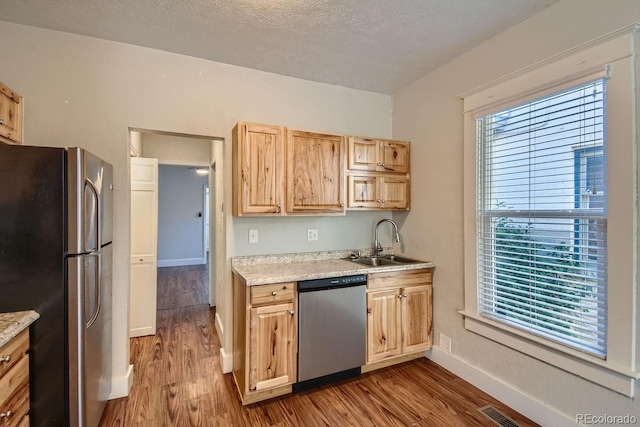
column 89, row 286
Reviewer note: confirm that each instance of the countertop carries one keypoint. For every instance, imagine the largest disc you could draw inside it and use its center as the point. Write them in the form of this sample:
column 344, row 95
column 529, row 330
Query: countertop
column 262, row 270
column 11, row 324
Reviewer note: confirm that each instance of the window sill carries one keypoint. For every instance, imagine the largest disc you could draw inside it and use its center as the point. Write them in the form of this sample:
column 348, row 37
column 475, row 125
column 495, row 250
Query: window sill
column 615, row 378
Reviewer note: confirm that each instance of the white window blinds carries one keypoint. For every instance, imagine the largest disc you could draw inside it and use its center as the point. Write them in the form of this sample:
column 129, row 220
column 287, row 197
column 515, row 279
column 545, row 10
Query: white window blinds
column 542, row 217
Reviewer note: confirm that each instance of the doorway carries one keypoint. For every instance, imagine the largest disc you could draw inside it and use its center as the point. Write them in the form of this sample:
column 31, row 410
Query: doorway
column 188, row 154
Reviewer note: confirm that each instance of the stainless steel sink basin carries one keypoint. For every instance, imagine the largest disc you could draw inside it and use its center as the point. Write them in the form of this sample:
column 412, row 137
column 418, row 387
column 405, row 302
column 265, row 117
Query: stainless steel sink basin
column 401, row 259
column 374, row 262
column 385, row 260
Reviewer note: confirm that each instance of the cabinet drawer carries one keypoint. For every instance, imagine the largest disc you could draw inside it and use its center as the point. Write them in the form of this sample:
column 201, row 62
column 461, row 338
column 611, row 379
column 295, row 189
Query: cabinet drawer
column 14, row 350
column 10, row 383
column 269, row 294
column 18, row 404
column 399, row 279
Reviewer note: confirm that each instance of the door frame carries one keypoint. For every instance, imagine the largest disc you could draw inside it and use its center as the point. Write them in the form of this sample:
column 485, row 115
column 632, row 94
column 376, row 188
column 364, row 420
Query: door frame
column 217, row 255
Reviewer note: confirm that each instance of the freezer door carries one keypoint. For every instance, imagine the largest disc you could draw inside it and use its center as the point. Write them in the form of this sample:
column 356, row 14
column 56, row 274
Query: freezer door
column 90, row 202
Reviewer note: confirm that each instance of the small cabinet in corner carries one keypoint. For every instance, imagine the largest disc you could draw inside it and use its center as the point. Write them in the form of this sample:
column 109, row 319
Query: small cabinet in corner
column 265, row 339
column 378, row 174
column 399, row 317
column 14, row 381
column 10, row 116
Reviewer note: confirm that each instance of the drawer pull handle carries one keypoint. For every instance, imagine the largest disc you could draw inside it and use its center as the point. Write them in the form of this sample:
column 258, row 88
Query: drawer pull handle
column 6, row 414
column 5, row 359
column 274, row 293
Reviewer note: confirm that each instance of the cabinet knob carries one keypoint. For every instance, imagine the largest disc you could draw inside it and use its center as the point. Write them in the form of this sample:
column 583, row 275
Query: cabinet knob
column 382, row 164
column 342, row 205
column 274, row 293
column 378, row 164
column 379, row 200
column 404, row 295
column 292, row 312
column 368, row 311
column 1, row 122
column 279, row 206
column 400, row 296
column 5, row 359
column 383, row 201
column 6, row 414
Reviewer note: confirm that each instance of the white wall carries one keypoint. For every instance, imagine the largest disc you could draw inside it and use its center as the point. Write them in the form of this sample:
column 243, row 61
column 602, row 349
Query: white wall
column 172, row 149
column 429, row 113
column 180, row 230
column 89, row 92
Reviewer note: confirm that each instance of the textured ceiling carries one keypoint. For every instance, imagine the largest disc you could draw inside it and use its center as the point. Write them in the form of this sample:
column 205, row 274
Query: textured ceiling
column 375, row 45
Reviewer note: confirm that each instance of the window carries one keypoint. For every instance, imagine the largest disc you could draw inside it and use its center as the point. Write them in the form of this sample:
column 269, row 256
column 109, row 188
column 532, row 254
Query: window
column 551, row 217
column 541, row 231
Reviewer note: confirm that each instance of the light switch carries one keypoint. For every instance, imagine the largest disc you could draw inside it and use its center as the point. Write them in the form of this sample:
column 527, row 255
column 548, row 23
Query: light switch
column 253, row 236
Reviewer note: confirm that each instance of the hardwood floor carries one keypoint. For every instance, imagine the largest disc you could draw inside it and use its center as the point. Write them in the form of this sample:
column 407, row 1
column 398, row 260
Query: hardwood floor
column 183, row 286
column 178, row 382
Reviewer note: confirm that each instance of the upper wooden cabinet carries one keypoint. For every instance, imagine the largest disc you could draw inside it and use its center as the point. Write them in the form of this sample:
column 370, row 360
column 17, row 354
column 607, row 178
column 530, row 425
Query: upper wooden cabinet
column 315, row 173
column 258, row 169
column 10, row 116
column 379, row 192
column 378, row 155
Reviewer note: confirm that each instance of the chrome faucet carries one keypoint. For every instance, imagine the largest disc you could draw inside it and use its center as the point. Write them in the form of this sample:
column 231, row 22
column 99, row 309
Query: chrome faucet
column 377, row 249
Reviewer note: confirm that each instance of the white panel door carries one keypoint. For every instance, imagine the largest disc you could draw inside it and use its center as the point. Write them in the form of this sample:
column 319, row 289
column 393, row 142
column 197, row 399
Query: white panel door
column 144, row 246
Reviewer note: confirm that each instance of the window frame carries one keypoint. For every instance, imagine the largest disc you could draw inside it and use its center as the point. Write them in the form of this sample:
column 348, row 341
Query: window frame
column 610, row 56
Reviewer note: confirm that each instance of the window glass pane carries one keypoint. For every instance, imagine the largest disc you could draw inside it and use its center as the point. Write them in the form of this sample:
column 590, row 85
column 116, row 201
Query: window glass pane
column 542, row 217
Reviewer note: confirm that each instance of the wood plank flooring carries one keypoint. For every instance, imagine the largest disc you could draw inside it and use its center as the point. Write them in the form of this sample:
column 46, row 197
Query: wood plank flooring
column 178, row 380
column 183, row 286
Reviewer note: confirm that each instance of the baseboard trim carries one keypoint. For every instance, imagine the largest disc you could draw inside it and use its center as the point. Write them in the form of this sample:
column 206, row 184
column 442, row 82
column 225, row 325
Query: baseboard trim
column 226, row 361
column 121, row 385
column 505, row 393
column 181, row 262
column 141, row 332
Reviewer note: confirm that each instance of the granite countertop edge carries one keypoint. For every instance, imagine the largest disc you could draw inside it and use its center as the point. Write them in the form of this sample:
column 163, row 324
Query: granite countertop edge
column 279, row 272
column 11, row 324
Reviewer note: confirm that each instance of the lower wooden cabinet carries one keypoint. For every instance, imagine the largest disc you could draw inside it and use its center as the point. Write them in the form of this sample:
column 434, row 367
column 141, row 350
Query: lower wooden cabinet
column 14, row 382
column 265, row 339
column 399, row 316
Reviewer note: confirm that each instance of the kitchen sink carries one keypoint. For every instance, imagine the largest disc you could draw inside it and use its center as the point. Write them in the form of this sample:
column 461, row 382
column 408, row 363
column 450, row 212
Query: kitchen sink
column 385, row 260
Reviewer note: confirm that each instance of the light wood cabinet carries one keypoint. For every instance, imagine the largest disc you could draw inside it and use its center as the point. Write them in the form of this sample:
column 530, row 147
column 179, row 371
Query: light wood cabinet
column 315, row 173
column 14, row 381
column 378, row 174
column 378, row 155
column 379, row 192
column 258, row 169
column 10, row 116
column 399, row 317
column 265, row 339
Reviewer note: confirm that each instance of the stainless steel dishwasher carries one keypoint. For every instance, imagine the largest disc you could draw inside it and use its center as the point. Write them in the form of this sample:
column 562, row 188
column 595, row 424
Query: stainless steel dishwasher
column 331, row 330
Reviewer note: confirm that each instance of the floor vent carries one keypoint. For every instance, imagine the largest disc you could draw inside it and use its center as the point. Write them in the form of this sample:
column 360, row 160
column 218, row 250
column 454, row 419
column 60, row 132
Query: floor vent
column 497, row 417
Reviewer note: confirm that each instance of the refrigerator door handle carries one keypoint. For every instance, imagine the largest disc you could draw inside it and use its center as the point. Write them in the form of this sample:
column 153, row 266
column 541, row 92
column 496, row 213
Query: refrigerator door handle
column 98, row 299
column 96, row 196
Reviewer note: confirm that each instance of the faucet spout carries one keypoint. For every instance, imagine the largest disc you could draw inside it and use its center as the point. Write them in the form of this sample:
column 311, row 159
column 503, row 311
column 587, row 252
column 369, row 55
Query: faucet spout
column 377, row 248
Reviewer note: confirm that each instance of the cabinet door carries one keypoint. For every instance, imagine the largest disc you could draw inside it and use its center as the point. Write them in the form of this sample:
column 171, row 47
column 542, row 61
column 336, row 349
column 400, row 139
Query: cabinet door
column 315, row 172
column 272, row 347
column 260, row 157
column 394, row 156
column 363, row 191
column 416, row 318
column 395, row 193
column 362, row 154
column 383, row 325
column 10, row 116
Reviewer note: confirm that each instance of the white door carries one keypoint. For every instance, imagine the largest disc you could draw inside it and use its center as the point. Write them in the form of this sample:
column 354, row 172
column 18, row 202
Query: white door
column 144, row 244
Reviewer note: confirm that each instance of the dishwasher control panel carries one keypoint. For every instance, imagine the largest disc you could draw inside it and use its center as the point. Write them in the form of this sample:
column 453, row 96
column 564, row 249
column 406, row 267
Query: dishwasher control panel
column 332, row 282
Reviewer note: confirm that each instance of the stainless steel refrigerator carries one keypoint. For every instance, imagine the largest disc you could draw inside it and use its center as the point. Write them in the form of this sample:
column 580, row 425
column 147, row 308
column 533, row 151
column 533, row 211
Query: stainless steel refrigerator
column 56, row 258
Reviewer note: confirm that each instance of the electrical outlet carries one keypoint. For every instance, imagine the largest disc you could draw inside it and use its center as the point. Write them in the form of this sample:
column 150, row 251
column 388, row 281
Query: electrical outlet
column 253, row 236
column 312, row 235
column 445, row 343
